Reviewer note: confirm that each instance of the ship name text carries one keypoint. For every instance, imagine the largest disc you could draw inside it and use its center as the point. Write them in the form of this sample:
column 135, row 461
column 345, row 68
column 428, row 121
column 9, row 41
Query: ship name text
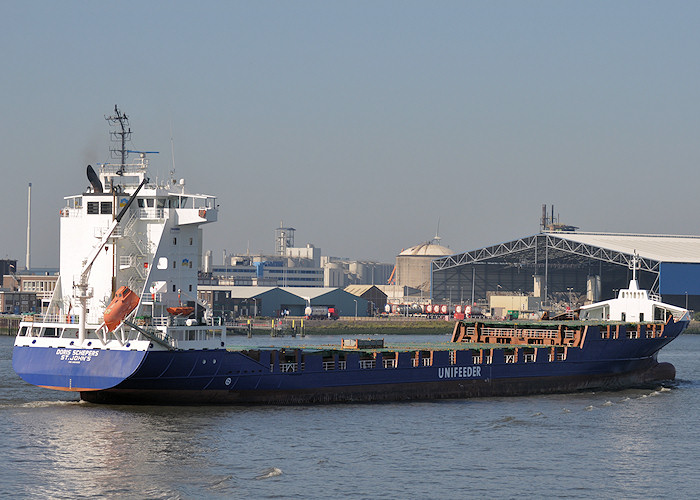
column 76, row 355
column 459, row 372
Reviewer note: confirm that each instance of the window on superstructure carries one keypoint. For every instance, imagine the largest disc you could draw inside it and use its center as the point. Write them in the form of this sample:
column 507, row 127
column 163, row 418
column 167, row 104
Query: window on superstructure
column 150, row 202
column 191, row 240
column 141, row 203
column 174, row 288
column 106, row 207
column 190, row 288
column 93, row 207
column 174, row 264
column 174, row 241
column 160, row 203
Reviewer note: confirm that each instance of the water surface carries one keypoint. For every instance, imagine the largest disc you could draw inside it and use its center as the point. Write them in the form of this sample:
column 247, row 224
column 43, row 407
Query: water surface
column 629, row 444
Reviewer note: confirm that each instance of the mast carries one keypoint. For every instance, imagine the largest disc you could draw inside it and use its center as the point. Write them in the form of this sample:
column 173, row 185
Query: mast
column 121, row 135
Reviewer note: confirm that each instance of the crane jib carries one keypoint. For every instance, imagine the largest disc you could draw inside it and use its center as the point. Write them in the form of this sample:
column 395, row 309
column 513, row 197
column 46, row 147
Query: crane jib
column 131, row 200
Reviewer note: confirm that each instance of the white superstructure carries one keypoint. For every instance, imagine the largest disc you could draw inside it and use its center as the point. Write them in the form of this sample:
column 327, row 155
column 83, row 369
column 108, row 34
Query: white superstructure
column 633, row 305
column 151, row 244
column 155, row 250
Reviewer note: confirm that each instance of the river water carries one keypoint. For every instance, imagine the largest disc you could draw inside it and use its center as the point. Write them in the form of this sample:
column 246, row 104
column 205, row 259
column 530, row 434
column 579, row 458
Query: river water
column 629, row 444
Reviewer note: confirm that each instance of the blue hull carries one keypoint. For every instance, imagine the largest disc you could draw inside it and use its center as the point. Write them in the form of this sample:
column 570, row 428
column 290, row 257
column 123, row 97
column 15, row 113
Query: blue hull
column 225, row 377
column 69, row 369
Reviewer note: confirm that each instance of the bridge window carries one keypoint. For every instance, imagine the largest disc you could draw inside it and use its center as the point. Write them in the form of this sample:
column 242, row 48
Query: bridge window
column 106, row 207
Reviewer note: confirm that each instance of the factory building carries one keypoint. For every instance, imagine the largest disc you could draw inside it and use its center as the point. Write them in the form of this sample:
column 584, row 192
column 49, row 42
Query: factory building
column 565, row 268
column 39, row 282
column 375, row 297
column 12, row 302
column 231, row 301
column 292, row 266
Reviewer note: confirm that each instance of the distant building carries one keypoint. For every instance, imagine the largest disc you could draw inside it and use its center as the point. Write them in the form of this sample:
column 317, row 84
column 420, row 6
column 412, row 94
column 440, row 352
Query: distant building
column 230, row 301
column 564, row 268
column 40, row 282
column 267, row 270
column 404, row 294
column 7, row 267
column 413, row 264
column 292, row 266
column 13, row 302
column 375, row 297
column 344, row 272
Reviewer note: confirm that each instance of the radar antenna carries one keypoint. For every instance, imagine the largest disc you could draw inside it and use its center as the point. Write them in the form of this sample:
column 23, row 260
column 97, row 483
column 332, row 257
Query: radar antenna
column 121, row 135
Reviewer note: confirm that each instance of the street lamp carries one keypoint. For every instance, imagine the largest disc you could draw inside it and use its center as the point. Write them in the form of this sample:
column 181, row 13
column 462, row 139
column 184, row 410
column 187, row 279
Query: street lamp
column 355, row 300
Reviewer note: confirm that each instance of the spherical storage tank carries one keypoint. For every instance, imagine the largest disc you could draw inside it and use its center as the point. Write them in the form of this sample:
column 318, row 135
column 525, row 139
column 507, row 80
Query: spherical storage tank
column 413, row 264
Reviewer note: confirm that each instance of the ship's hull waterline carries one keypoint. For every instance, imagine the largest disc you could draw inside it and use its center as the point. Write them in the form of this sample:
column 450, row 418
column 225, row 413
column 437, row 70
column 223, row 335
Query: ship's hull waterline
column 234, row 377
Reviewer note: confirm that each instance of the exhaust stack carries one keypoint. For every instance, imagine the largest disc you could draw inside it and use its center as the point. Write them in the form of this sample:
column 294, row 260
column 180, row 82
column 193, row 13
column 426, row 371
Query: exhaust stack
column 29, row 225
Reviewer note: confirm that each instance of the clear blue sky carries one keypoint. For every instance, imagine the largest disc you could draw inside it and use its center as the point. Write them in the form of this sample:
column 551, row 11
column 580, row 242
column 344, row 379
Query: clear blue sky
column 361, row 123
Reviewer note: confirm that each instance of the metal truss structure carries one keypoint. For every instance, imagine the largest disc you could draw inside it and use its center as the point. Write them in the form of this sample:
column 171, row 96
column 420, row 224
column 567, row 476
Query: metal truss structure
column 550, row 255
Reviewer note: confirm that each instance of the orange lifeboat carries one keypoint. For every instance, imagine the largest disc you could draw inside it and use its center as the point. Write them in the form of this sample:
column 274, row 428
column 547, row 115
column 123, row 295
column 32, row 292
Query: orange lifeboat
column 180, row 311
column 122, row 304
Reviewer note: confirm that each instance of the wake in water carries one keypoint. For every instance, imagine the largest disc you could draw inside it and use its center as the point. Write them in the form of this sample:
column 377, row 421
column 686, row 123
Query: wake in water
column 268, row 473
column 38, row 404
column 47, row 404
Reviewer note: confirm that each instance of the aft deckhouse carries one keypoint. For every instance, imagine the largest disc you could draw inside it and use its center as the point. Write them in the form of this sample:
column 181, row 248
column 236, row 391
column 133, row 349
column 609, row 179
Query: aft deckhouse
column 155, row 250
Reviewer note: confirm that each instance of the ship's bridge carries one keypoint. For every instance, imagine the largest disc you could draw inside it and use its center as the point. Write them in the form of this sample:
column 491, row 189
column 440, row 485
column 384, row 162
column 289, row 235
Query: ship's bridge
column 154, row 202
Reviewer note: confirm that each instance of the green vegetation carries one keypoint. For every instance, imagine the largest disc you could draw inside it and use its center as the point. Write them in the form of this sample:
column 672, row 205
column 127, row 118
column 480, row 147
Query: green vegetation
column 694, row 327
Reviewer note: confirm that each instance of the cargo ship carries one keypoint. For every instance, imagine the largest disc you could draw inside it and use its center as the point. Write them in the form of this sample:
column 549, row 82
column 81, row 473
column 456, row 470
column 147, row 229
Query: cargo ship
column 125, row 326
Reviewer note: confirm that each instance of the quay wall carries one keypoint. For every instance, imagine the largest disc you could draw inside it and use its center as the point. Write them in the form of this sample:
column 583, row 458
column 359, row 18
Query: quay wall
column 9, row 324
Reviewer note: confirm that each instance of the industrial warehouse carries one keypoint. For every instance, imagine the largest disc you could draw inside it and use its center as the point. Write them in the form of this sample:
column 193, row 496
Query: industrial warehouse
column 561, row 269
